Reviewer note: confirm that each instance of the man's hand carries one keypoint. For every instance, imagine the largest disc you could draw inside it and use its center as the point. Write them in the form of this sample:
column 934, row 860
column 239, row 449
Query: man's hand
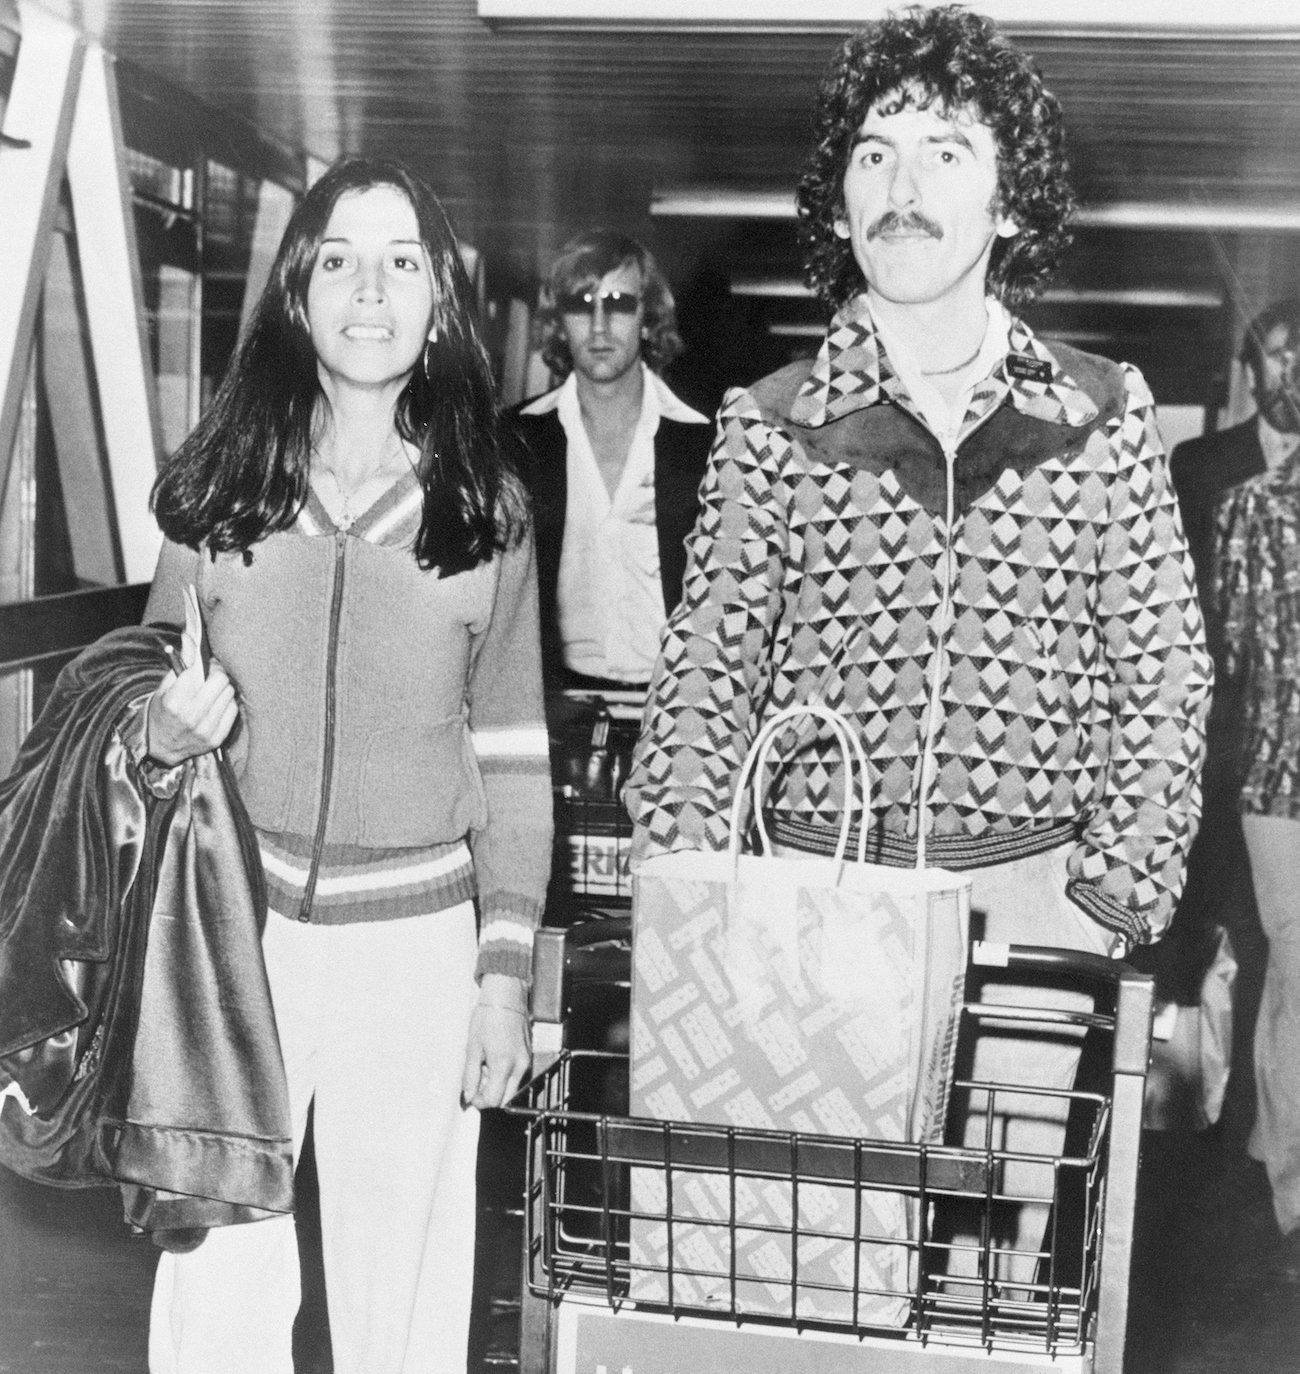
column 499, row 1051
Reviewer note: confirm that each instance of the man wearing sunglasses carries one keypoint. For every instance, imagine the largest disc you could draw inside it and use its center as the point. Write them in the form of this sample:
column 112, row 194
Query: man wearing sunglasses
column 1239, row 490
column 616, row 463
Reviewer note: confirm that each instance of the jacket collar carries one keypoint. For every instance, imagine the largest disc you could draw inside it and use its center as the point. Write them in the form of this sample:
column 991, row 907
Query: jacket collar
column 852, row 371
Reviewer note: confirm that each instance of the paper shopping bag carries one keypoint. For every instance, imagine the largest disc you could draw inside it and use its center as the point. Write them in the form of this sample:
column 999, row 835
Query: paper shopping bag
column 788, row 994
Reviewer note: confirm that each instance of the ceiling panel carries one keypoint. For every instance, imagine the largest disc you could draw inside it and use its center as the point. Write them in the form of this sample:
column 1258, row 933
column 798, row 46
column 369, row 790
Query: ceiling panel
column 528, row 134
column 523, row 128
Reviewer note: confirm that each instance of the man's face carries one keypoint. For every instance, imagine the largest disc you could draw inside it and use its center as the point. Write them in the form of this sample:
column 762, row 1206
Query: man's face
column 919, row 204
column 1277, row 380
column 604, row 336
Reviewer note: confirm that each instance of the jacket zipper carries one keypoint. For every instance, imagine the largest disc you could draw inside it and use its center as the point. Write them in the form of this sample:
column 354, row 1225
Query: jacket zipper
column 923, row 780
column 327, row 773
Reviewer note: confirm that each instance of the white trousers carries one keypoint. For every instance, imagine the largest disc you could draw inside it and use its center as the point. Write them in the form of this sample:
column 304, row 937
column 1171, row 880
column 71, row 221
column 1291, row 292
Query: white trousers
column 1273, row 844
column 1024, row 902
column 373, row 1020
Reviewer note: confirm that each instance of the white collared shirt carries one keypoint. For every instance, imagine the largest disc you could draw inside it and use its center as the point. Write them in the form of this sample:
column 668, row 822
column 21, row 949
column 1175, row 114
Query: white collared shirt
column 944, row 419
column 1275, row 445
column 611, row 600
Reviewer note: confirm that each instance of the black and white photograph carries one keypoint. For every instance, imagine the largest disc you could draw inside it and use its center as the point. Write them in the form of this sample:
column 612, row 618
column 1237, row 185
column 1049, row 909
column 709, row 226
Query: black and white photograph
column 649, row 686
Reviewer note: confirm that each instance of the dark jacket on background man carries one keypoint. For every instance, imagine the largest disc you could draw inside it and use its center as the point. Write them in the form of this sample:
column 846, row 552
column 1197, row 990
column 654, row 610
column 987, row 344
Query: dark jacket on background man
column 681, row 452
column 1204, row 470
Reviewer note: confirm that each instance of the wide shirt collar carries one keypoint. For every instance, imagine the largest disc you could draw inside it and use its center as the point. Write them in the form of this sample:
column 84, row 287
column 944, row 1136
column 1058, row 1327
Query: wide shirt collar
column 852, row 371
column 1278, row 449
column 657, row 400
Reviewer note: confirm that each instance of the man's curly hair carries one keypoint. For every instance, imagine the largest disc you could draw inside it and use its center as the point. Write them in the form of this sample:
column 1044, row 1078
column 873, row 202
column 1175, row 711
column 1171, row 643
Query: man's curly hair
column 956, row 60
column 582, row 262
column 1284, row 312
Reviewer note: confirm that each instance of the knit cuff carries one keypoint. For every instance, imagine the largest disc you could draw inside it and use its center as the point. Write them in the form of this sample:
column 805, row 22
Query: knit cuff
column 1108, row 913
column 505, row 942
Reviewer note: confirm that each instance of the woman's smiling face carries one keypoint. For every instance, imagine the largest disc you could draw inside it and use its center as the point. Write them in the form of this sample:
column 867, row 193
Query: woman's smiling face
column 370, row 296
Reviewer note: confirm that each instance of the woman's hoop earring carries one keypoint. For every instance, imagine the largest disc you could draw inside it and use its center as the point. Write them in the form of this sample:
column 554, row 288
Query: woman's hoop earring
column 424, row 357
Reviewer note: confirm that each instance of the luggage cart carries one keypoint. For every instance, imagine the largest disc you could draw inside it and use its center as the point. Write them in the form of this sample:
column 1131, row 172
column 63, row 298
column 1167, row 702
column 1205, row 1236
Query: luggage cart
column 592, row 735
column 584, row 1309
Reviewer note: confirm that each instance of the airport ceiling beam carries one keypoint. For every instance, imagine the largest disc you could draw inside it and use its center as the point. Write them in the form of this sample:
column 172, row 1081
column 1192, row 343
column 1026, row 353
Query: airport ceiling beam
column 110, row 274
column 1157, row 17
column 40, row 111
column 64, row 103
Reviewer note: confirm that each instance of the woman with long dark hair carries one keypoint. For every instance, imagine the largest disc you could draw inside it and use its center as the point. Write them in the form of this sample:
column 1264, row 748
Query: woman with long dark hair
column 360, row 553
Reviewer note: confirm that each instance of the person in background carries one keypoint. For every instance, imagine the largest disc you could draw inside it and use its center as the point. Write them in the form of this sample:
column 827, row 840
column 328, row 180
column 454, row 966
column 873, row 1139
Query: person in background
column 363, row 561
column 616, row 463
column 1205, row 468
column 960, row 536
column 1240, row 490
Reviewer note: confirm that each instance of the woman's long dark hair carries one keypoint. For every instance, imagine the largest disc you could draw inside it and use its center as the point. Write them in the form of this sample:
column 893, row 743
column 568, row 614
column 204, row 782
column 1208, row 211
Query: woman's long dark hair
column 242, row 473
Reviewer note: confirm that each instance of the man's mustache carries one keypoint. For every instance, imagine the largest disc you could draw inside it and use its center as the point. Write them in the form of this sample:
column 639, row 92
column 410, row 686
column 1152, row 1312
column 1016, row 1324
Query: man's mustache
column 891, row 222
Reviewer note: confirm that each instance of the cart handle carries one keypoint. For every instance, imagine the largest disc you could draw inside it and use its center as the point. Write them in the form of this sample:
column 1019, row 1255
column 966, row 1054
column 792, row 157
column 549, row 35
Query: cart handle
column 1050, row 959
column 605, row 930
column 1135, row 991
column 618, row 930
column 580, row 953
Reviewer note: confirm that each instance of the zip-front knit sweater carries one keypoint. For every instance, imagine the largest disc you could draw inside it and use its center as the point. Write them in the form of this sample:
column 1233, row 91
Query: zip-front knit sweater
column 388, row 719
column 1027, row 650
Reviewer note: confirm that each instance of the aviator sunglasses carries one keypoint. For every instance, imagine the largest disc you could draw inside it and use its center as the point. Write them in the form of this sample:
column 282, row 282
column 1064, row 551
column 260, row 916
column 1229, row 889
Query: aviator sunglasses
column 612, row 302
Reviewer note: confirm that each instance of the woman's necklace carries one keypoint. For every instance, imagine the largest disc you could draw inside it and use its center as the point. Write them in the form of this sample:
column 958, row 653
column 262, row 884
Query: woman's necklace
column 383, row 471
column 948, row 371
column 343, row 517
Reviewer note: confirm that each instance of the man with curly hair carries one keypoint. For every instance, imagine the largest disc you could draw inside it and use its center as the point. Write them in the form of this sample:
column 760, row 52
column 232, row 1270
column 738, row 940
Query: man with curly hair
column 960, row 536
column 617, row 463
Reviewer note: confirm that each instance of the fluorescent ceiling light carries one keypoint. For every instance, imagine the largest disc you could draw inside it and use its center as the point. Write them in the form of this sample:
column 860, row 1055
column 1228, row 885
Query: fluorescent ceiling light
column 703, row 202
column 1164, row 15
column 1144, row 298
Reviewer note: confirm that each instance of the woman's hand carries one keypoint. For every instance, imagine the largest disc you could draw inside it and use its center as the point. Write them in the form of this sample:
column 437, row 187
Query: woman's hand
column 500, row 1050
column 191, row 714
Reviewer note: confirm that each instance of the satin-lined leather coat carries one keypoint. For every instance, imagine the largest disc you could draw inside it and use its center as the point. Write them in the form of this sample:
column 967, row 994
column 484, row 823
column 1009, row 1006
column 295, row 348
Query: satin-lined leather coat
column 135, row 1015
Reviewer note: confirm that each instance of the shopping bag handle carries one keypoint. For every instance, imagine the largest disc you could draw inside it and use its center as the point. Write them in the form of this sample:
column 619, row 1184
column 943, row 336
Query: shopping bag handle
column 753, row 770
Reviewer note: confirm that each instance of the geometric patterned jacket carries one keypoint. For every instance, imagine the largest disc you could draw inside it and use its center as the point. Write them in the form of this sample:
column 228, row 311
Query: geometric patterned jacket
column 1013, row 626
